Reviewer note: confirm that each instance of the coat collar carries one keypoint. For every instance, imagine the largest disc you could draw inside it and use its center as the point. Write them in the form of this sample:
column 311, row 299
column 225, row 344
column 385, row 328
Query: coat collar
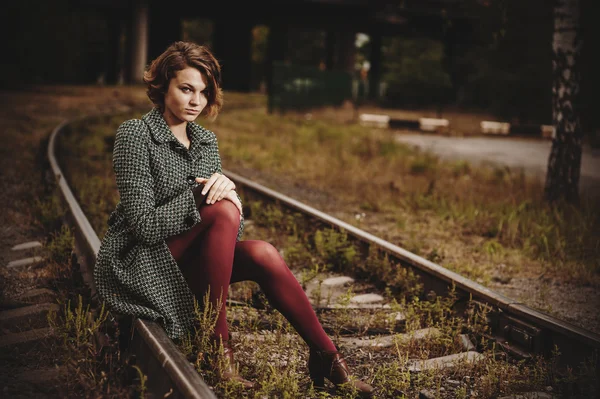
column 161, row 132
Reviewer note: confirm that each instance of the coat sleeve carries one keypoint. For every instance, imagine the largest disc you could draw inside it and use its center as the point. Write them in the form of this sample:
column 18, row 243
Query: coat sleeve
column 220, row 170
column 149, row 223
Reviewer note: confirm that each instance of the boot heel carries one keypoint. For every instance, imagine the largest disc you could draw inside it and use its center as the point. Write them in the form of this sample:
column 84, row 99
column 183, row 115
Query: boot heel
column 318, row 381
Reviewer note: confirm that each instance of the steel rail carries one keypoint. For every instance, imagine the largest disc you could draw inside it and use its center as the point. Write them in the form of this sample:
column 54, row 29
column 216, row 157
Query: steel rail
column 156, row 354
column 516, row 326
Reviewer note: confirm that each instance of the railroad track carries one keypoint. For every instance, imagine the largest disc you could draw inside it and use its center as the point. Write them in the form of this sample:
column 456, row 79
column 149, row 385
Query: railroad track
column 518, row 329
column 168, row 371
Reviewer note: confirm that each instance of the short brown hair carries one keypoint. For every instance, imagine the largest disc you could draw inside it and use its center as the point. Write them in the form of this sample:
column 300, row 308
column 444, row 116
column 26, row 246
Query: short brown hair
column 176, row 57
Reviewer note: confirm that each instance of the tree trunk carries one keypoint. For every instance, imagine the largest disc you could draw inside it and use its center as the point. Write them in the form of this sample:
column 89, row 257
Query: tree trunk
column 564, row 163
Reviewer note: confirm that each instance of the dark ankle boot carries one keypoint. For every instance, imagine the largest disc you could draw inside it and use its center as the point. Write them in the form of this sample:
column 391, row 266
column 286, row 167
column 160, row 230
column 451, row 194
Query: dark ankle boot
column 331, row 365
column 225, row 366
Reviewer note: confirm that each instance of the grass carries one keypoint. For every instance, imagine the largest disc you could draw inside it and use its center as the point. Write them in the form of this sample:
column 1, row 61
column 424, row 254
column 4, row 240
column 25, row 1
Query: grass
column 367, row 168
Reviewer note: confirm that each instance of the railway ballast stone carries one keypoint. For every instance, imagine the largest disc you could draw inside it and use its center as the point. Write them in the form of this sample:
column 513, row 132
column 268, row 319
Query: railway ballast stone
column 427, row 394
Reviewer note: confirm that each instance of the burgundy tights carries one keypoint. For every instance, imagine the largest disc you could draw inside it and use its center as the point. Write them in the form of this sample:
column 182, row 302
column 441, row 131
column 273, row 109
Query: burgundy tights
column 209, row 256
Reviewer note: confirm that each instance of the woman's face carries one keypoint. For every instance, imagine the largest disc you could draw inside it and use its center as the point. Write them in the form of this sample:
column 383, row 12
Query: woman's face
column 185, row 98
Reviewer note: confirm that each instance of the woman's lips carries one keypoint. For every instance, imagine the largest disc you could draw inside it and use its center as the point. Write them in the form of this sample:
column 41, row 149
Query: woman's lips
column 192, row 111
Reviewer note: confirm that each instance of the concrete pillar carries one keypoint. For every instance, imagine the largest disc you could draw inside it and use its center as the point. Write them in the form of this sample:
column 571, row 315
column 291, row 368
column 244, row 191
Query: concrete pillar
column 139, row 41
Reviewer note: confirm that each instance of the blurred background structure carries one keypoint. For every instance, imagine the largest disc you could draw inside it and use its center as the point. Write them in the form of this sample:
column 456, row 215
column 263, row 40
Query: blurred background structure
column 494, row 55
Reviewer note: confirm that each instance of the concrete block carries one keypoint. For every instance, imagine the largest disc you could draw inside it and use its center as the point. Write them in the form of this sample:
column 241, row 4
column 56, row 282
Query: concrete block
column 40, row 376
column 27, row 245
column 338, row 281
column 529, row 395
column 25, row 318
column 366, row 298
column 386, row 341
column 26, row 339
column 364, row 306
column 548, row 131
column 374, row 120
column 491, row 127
column 37, row 295
column 24, row 262
column 445, row 361
column 466, row 343
column 434, row 124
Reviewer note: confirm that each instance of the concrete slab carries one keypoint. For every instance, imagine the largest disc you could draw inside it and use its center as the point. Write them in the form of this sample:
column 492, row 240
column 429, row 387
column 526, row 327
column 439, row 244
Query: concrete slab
column 365, row 306
column 529, row 395
column 25, row 262
column 386, row 341
column 40, row 376
column 27, row 317
column 37, row 295
column 366, row 298
column 466, row 342
column 445, row 361
column 339, row 281
column 27, row 245
column 25, row 337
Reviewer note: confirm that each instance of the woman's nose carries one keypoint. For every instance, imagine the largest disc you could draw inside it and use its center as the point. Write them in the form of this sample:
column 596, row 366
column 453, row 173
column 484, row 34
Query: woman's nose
column 196, row 98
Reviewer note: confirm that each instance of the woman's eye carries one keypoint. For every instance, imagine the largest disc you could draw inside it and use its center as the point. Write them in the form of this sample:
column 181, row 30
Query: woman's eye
column 185, row 89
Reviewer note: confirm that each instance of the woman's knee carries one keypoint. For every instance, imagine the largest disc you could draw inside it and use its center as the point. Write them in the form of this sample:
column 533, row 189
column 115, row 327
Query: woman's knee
column 223, row 211
column 267, row 257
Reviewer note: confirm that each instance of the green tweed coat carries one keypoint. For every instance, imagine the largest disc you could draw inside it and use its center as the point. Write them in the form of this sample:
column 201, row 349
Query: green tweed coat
column 135, row 273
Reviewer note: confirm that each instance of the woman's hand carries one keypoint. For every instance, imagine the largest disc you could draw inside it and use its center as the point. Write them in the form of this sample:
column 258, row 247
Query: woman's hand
column 232, row 196
column 217, row 187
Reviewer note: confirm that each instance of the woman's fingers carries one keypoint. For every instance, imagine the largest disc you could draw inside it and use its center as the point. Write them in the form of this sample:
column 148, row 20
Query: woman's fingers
column 217, row 190
column 209, row 183
column 229, row 187
column 217, row 187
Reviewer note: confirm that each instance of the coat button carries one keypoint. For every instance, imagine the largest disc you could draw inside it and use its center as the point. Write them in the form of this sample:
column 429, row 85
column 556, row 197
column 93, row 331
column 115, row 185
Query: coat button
column 191, row 179
column 189, row 221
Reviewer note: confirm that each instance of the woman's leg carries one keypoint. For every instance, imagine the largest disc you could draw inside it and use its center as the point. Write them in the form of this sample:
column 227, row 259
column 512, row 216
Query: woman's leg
column 210, row 257
column 205, row 255
column 261, row 262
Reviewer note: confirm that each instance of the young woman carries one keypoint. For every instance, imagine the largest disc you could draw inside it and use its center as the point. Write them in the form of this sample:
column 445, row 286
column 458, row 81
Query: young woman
column 175, row 234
